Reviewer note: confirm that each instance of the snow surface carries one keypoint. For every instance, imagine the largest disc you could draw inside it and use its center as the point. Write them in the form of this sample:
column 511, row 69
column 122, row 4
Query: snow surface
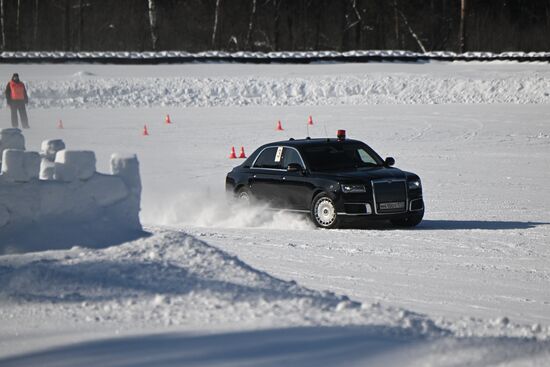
column 172, row 280
column 216, row 285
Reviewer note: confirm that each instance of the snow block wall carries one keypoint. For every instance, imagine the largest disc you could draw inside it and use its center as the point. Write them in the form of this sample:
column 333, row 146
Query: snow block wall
column 56, row 199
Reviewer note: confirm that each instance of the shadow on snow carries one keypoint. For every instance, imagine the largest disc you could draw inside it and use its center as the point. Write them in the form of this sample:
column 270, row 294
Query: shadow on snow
column 445, row 224
column 477, row 224
column 300, row 346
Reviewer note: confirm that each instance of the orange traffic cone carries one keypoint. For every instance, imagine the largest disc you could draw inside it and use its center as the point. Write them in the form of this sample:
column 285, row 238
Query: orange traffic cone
column 279, row 126
column 168, row 121
column 60, row 124
column 310, row 120
column 232, row 155
column 242, row 155
column 145, row 132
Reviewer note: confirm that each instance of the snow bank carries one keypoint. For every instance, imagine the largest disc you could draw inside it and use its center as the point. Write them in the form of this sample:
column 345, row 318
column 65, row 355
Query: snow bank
column 71, row 204
column 171, row 279
column 244, row 90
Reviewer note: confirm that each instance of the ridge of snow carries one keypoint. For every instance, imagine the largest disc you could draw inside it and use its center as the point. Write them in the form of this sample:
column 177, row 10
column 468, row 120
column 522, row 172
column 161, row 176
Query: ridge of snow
column 173, row 278
column 88, row 91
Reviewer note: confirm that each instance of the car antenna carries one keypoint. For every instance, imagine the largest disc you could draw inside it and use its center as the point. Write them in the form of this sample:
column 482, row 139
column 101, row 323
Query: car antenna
column 325, row 127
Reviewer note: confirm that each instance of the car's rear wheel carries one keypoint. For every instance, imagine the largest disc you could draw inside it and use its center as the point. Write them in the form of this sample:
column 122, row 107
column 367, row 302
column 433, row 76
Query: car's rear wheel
column 410, row 221
column 323, row 211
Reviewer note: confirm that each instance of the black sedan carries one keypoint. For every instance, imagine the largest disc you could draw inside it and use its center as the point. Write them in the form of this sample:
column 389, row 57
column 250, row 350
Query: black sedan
column 330, row 179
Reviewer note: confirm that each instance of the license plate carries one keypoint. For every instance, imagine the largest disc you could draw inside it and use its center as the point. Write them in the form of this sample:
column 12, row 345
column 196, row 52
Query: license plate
column 394, row 205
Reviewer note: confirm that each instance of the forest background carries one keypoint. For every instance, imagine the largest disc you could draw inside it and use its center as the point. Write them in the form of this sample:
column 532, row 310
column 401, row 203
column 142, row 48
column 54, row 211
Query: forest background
column 275, row 25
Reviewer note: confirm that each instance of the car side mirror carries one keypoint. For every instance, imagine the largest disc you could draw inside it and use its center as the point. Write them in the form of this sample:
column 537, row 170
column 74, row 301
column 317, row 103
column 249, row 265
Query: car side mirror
column 294, row 167
column 389, row 162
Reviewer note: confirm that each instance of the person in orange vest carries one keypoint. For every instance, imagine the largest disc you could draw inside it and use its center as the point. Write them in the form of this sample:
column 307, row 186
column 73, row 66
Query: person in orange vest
column 16, row 95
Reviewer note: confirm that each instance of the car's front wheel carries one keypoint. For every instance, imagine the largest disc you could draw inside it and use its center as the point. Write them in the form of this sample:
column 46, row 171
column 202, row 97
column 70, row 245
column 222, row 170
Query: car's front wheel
column 410, row 221
column 323, row 211
column 244, row 196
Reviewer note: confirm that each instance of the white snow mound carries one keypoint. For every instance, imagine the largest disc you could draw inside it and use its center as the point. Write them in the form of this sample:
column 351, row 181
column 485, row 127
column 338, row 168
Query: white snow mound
column 173, row 278
column 71, row 204
column 358, row 89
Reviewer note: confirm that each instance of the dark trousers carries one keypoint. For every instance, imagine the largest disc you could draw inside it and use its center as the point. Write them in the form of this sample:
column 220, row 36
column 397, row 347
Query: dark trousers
column 19, row 106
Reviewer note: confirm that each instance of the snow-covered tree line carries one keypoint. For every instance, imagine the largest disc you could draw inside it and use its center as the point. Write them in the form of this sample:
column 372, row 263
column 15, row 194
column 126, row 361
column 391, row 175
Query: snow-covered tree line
column 273, row 25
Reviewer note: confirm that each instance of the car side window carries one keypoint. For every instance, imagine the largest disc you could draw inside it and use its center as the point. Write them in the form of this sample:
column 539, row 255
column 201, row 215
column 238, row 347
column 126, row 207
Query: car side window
column 266, row 159
column 291, row 156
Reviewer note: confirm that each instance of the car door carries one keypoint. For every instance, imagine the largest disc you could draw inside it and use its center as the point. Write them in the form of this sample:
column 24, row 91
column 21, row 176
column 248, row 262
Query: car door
column 296, row 187
column 267, row 173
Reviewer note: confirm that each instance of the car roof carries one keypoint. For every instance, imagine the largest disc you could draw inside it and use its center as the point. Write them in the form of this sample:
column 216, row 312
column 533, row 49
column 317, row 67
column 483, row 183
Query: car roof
column 309, row 141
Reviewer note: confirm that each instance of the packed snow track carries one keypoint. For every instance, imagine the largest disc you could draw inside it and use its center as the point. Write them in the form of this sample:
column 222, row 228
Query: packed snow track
column 216, row 285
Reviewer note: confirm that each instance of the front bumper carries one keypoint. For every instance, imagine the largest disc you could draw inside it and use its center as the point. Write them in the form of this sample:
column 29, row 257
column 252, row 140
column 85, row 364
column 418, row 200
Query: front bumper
column 366, row 205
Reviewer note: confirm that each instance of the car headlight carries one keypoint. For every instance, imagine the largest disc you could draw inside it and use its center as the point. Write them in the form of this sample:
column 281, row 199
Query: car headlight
column 413, row 185
column 346, row 188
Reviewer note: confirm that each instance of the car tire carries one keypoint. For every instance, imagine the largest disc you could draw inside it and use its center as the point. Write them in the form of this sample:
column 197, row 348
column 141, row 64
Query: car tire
column 323, row 211
column 244, row 197
column 410, row 221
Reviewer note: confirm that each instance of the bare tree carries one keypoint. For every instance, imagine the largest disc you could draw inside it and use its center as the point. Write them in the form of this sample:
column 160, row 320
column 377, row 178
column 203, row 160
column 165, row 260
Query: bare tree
column 67, row 26
column 216, row 17
column 35, row 24
column 345, row 26
column 153, row 23
column 276, row 24
column 396, row 23
column 318, row 13
column 18, row 23
column 351, row 21
column 2, row 25
column 80, row 24
column 251, row 24
column 358, row 23
column 462, row 34
column 304, row 22
column 411, row 31
column 290, row 23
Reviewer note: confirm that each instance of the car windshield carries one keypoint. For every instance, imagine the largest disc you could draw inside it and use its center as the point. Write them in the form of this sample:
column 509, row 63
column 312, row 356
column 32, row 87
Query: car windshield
column 340, row 156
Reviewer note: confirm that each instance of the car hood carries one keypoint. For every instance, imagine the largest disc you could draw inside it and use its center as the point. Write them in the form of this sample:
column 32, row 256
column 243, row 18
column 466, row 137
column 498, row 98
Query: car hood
column 366, row 174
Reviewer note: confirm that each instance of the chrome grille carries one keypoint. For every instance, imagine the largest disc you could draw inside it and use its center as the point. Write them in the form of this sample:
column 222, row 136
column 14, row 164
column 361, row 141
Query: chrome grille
column 390, row 196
